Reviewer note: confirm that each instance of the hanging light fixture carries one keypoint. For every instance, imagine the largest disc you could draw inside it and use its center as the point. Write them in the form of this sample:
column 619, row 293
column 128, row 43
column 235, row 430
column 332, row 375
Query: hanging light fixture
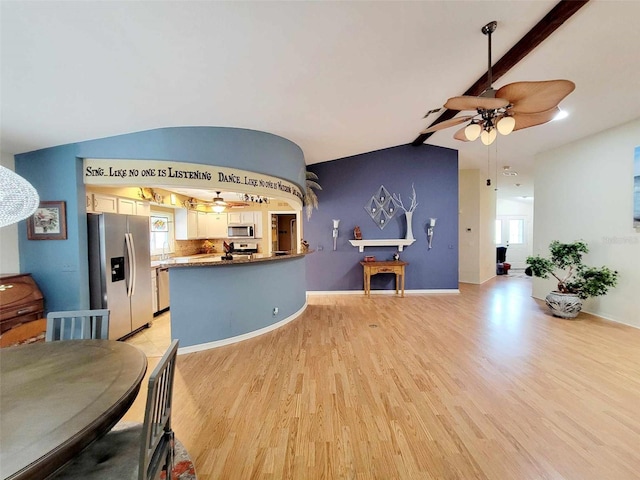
column 218, row 203
column 18, row 198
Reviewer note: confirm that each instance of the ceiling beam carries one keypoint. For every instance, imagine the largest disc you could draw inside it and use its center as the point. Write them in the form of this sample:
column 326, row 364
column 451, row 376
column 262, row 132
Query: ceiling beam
column 534, row 37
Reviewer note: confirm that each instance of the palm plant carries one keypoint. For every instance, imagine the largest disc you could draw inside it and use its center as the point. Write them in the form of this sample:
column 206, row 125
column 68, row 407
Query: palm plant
column 310, row 197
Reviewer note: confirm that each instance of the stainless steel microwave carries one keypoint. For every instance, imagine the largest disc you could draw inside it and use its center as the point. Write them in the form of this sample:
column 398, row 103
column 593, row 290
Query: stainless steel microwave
column 240, row 231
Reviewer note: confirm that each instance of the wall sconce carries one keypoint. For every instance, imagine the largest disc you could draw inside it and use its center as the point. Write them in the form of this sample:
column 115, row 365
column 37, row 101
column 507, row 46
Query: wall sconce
column 336, row 223
column 172, row 198
column 432, row 224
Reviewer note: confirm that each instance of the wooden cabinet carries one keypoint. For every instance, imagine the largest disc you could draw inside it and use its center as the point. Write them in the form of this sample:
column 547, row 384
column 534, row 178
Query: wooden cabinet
column 247, row 218
column 217, row 225
column 102, row 202
column 234, row 218
column 257, row 221
column 20, row 301
column 192, row 224
column 129, row 206
column 105, row 203
column 186, row 224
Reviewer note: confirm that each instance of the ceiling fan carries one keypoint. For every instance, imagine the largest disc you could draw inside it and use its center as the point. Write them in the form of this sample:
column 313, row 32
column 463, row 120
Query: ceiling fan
column 217, row 203
column 512, row 107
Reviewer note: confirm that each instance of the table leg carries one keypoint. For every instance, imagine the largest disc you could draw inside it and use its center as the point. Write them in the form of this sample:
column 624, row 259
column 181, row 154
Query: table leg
column 403, row 283
column 397, row 282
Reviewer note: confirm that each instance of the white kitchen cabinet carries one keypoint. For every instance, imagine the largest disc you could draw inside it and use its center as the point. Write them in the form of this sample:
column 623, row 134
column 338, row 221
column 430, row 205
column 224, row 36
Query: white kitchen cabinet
column 186, row 224
column 126, row 206
column 257, row 221
column 105, row 203
column 143, row 209
column 240, row 218
column 202, row 225
column 217, row 225
column 234, row 218
column 130, row 206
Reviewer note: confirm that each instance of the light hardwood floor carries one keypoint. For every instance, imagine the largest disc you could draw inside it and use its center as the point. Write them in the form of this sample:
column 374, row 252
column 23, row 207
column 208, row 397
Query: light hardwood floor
column 481, row 385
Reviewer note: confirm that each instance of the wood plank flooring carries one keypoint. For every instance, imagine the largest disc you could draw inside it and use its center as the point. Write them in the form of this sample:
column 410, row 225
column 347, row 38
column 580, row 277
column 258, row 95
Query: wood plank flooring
column 481, row 385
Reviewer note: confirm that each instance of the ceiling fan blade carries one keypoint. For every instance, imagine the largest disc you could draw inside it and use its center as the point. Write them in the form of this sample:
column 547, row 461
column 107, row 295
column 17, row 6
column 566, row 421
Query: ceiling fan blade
column 526, row 120
column 459, row 135
column 447, row 123
column 467, row 102
column 534, row 97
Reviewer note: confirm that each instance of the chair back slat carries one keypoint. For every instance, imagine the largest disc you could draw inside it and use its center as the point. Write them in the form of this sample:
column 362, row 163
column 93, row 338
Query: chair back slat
column 77, row 325
column 156, row 450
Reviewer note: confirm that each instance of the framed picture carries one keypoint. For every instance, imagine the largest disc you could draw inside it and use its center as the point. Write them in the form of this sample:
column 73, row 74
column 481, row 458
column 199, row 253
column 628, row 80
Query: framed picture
column 49, row 222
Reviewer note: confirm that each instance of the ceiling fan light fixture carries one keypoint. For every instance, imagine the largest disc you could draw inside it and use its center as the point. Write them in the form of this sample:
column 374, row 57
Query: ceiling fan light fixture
column 487, row 137
column 472, row 131
column 218, row 203
column 218, row 208
column 561, row 114
column 506, row 125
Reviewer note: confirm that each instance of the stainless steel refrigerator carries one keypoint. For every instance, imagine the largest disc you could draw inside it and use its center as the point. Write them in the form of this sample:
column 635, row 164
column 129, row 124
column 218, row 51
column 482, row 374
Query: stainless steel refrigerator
column 119, row 270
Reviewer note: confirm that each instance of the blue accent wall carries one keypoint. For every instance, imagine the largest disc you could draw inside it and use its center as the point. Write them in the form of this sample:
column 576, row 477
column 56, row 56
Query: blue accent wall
column 60, row 267
column 349, row 183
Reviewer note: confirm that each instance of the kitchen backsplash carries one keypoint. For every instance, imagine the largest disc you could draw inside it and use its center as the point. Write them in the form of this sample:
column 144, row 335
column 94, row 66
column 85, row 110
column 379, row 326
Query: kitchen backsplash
column 184, row 248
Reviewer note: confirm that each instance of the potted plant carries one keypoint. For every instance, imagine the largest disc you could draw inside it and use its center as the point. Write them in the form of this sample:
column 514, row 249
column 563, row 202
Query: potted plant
column 576, row 281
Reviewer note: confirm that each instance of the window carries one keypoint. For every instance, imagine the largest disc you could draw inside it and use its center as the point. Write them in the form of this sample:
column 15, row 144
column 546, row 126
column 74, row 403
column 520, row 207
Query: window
column 161, row 233
column 509, row 231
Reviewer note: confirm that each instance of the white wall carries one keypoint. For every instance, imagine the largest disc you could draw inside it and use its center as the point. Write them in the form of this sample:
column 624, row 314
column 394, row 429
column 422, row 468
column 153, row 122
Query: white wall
column 584, row 191
column 9, row 253
column 477, row 257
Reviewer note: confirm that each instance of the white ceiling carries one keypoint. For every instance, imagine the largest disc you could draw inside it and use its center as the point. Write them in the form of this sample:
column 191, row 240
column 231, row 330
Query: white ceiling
column 336, row 78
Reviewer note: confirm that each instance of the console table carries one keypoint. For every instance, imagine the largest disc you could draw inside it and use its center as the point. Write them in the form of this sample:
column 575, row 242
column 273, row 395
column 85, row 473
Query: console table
column 372, row 268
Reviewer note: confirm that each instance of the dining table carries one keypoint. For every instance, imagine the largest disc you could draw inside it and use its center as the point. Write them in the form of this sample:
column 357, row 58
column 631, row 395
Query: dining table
column 58, row 397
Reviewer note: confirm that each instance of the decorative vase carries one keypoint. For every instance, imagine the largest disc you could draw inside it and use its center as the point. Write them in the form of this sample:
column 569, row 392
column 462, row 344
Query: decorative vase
column 409, row 235
column 564, row 305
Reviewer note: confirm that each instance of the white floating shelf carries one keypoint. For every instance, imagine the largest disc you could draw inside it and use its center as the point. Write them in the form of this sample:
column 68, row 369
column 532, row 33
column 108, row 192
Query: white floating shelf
column 384, row 242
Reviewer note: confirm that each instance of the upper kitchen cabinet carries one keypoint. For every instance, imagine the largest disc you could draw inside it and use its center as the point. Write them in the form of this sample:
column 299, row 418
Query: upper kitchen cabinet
column 192, row 224
column 186, row 225
column 257, row 221
column 241, row 218
column 247, row 218
column 217, row 223
column 104, row 203
column 129, row 206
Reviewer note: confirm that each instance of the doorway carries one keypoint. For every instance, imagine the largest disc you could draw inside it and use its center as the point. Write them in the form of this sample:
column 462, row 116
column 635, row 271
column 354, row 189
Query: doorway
column 284, row 232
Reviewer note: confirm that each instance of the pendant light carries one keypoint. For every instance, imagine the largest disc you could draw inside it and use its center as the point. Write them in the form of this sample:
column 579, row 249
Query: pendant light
column 18, row 198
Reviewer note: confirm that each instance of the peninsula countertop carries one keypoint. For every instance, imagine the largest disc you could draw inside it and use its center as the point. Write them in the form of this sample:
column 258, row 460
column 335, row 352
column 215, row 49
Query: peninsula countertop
column 214, row 259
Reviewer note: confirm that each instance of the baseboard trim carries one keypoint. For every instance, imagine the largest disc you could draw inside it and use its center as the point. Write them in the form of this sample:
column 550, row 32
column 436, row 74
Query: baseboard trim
column 313, row 293
column 245, row 336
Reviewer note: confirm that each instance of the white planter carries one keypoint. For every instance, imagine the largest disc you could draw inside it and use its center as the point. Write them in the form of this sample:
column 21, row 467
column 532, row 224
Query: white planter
column 564, row 305
column 409, row 235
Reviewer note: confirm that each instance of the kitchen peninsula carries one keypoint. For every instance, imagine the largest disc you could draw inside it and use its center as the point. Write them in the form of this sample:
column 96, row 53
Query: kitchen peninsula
column 215, row 302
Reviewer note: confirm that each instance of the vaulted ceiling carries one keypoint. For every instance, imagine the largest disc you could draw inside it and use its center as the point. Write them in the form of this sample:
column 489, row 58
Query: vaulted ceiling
column 336, row 78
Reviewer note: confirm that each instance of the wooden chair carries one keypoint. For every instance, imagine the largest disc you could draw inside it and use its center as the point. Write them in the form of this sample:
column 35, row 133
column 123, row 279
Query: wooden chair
column 132, row 451
column 78, row 325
